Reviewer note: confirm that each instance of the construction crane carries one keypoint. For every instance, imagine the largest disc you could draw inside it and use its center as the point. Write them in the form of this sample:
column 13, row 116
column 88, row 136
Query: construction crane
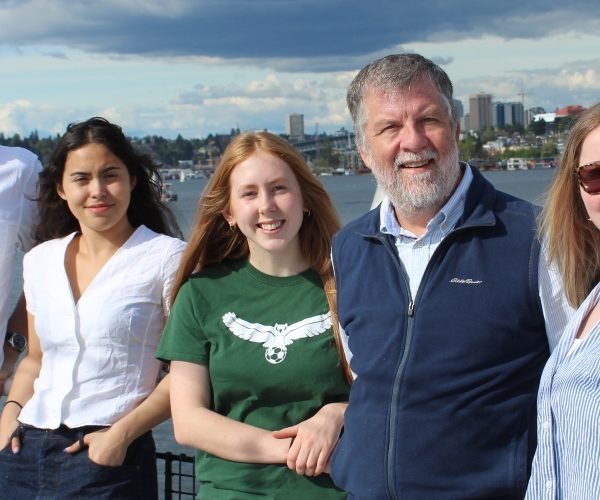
column 523, row 94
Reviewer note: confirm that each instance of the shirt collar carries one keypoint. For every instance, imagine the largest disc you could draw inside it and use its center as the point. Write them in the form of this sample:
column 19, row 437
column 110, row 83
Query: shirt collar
column 445, row 219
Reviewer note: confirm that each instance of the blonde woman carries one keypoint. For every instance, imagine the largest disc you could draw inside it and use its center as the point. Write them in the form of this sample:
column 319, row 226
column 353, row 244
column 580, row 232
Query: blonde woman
column 567, row 461
column 257, row 382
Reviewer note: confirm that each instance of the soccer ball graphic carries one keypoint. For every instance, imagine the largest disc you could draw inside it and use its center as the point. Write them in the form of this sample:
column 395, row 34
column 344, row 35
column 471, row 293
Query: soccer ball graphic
column 275, row 355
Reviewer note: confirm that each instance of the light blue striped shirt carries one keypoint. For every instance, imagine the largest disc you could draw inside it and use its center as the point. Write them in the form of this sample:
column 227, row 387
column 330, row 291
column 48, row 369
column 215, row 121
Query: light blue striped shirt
column 567, row 461
column 415, row 253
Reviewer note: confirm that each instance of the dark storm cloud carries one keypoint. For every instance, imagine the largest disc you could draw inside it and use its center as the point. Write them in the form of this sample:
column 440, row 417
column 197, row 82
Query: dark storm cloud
column 302, row 34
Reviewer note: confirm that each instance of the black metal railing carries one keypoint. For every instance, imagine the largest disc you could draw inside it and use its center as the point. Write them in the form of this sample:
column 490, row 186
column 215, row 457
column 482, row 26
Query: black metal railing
column 178, row 474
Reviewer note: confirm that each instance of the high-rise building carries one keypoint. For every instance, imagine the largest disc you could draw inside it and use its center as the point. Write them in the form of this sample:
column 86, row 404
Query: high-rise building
column 465, row 125
column 507, row 113
column 458, row 106
column 294, row 126
column 498, row 114
column 480, row 111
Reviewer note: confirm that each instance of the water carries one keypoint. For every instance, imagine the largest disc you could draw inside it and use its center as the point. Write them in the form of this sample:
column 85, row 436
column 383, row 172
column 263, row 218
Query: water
column 352, row 194
column 352, row 197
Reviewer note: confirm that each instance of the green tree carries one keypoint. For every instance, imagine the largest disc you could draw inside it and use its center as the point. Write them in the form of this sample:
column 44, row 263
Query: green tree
column 538, row 127
column 470, row 147
column 488, row 134
column 564, row 123
column 328, row 156
column 549, row 149
column 516, row 128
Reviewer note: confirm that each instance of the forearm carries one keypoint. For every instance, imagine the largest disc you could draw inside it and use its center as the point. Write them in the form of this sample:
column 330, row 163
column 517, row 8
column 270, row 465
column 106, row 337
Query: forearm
column 26, row 374
column 227, row 438
column 29, row 368
column 20, row 392
column 147, row 415
column 18, row 319
column 196, row 425
column 16, row 323
column 8, row 366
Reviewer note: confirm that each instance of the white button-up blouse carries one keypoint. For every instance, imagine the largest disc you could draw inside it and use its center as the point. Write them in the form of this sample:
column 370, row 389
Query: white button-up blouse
column 98, row 354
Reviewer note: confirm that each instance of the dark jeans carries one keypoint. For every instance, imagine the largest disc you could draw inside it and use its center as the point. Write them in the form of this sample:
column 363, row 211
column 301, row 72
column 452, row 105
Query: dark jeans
column 43, row 471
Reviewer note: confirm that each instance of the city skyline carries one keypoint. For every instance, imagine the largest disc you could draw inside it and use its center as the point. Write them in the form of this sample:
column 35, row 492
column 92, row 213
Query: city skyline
column 198, row 67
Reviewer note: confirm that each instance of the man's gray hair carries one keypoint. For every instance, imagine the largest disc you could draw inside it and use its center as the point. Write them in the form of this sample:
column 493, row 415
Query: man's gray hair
column 394, row 73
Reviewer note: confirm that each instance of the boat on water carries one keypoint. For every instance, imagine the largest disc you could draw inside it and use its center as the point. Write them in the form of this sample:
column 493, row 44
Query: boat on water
column 516, row 164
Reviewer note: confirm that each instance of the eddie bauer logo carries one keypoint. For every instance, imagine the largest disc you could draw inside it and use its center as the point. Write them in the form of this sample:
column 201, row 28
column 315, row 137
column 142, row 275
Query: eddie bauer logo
column 466, row 281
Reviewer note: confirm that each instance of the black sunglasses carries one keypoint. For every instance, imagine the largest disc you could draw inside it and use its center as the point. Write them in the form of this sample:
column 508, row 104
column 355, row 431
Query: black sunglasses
column 589, row 177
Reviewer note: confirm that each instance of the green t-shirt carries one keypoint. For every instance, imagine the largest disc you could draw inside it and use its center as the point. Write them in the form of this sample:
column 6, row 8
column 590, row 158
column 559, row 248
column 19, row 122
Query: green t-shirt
column 272, row 360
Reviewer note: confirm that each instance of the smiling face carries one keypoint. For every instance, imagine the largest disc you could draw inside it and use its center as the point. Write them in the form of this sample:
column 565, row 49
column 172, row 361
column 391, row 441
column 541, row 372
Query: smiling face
column 590, row 152
column 411, row 146
column 266, row 205
column 97, row 188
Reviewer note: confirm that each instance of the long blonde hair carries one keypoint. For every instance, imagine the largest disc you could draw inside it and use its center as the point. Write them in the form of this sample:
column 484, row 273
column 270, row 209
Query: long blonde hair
column 212, row 240
column 573, row 241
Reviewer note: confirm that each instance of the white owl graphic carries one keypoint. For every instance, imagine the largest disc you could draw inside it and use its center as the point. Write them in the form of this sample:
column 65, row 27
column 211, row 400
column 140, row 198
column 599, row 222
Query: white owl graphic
column 276, row 338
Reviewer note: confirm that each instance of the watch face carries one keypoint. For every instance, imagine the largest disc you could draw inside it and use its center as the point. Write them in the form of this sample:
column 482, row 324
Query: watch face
column 17, row 341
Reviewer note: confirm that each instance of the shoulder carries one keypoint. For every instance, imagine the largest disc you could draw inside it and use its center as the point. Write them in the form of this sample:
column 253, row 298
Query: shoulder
column 22, row 160
column 20, row 168
column 208, row 286
column 47, row 249
column 22, row 155
column 482, row 195
column 217, row 280
column 222, row 270
column 515, row 210
column 147, row 238
column 367, row 224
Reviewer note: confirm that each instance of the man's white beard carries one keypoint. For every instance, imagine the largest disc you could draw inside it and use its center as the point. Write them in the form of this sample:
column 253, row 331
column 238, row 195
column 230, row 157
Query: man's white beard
column 412, row 192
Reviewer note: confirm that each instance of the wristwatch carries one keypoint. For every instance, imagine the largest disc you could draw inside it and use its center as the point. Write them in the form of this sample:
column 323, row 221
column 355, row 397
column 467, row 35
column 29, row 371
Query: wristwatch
column 16, row 340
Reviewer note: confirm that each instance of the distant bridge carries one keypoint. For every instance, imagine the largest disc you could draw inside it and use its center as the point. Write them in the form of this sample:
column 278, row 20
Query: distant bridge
column 309, row 147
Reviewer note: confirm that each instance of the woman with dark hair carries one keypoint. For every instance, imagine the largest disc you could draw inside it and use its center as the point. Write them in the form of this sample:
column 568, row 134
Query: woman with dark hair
column 77, row 421
column 145, row 207
column 567, row 461
column 257, row 382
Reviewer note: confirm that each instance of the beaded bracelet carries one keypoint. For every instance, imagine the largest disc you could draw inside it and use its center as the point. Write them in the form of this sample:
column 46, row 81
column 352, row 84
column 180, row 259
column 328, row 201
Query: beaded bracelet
column 15, row 402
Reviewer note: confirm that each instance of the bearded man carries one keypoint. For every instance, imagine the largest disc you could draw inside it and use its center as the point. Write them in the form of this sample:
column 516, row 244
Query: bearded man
column 448, row 308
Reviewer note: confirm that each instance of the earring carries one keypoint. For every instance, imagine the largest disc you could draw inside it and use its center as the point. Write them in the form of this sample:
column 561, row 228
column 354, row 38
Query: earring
column 307, row 213
column 232, row 227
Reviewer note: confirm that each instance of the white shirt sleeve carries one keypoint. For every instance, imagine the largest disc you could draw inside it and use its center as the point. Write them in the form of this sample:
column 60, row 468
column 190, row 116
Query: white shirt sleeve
column 556, row 309
column 170, row 265
column 28, row 216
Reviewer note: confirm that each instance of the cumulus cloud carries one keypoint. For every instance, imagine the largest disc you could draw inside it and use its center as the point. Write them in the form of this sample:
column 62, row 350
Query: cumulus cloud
column 23, row 116
column 292, row 56
column 585, row 79
column 578, row 82
column 270, row 87
column 264, row 103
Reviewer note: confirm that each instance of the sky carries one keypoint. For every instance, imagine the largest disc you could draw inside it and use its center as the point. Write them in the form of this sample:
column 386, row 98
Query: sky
column 195, row 67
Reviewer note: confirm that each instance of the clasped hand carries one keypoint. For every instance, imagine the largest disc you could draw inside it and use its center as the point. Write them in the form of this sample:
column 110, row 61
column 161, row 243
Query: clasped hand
column 313, row 440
